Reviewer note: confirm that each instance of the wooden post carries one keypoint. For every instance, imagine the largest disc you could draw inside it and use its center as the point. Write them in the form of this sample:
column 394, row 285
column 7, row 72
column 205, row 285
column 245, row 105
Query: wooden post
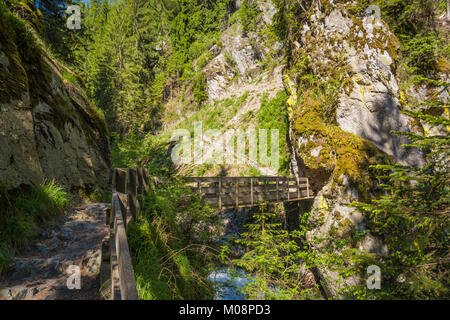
column 113, row 203
column 145, row 179
column 278, row 195
column 298, row 189
column 237, row 193
column 120, row 179
column 114, row 268
column 111, row 176
column 128, row 289
column 251, row 191
column 288, row 189
column 123, row 210
column 448, row 10
column 139, row 178
column 114, row 178
column 132, row 193
column 307, row 187
column 220, row 193
column 265, row 190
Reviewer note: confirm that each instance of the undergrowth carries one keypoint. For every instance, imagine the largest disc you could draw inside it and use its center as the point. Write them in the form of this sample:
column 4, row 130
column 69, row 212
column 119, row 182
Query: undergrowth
column 172, row 244
column 24, row 213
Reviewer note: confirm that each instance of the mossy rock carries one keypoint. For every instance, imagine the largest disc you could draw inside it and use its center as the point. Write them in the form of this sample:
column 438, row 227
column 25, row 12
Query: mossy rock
column 345, row 227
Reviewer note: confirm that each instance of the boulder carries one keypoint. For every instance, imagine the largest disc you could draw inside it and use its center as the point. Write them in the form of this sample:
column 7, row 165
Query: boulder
column 337, row 133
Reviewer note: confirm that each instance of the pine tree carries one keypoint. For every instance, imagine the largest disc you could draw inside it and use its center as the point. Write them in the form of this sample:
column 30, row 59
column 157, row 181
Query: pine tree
column 413, row 219
column 275, row 258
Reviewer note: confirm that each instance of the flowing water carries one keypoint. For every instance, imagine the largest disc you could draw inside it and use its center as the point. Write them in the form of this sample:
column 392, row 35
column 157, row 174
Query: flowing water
column 227, row 283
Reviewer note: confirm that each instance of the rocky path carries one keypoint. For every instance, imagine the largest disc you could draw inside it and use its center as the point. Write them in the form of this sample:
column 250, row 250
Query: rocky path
column 41, row 273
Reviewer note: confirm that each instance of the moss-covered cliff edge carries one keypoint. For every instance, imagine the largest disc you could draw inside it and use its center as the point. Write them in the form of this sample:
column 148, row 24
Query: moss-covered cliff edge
column 345, row 101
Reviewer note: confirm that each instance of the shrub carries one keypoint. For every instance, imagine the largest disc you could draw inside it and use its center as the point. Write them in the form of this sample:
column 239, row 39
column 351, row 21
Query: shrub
column 412, row 219
column 249, row 13
column 171, row 244
column 274, row 259
column 199, row 88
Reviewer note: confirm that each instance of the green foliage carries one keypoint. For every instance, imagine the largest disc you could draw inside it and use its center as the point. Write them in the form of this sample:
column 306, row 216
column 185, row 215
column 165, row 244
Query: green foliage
column 171, row 244
column 23, row 53
column 135, row 152
column 422, row 52
column 229, row 59
column 99, row 196
column 414, row 23
column 405, row 17
column 135, row 55
column 288, row 18
column 5, row 256
column 199, row 88
column 412, row 218
column 274, row 258
column 249, row 13
column 216, row 116
column 24, row 213
column 273, row 115
column 26, row 10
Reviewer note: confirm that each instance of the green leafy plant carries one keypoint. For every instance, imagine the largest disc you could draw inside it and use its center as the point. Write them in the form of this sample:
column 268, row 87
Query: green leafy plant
column 249, row 13
column 275, row 259
column 172, row 244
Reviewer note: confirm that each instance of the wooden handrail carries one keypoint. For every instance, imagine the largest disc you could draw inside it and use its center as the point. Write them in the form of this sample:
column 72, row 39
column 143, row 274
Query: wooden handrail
column 125, row 207
column 127, row 282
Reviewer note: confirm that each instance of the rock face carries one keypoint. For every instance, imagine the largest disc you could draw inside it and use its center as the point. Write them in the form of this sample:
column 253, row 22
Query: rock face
column 369, row 107
column 239, row 57
column 345, row 101
column 48, row 128
column 244, row 69
column 372, row 110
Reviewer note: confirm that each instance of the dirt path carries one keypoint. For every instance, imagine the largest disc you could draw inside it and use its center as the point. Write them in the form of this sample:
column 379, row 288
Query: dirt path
column 41, row 272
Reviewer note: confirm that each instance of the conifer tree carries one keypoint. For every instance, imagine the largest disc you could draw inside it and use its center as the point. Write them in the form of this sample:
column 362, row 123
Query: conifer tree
column 413, row 219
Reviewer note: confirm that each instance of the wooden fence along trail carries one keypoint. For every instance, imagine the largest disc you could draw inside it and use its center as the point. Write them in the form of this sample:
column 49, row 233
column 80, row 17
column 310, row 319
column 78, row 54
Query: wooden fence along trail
column 127, row 184
column 220, row 192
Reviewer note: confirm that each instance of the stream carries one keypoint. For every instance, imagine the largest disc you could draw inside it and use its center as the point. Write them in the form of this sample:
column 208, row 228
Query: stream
column 227, row 283
column 226, row 280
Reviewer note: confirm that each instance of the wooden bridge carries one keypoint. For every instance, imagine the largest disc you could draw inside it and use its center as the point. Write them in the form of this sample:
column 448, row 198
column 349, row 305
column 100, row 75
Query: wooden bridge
column 219, row 192
column 238, row 192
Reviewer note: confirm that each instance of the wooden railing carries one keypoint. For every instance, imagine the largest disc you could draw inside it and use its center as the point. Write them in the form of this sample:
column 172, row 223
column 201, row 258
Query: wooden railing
column 127, row 184
column 220, row 192
column 236, row 192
